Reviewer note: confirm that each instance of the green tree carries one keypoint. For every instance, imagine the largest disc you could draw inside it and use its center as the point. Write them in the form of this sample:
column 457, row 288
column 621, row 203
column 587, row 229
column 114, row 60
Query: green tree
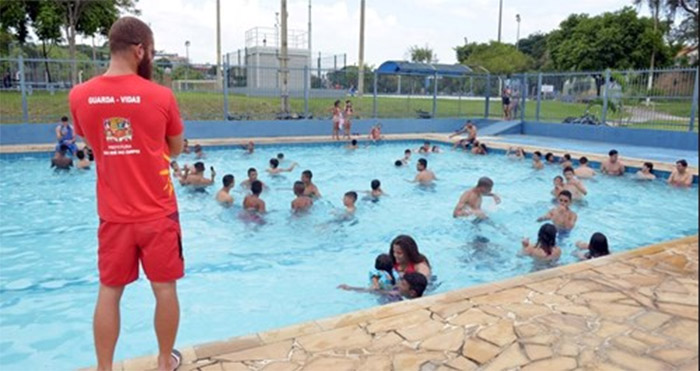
column 535, row 46
column 497, row 58
column 422, row 54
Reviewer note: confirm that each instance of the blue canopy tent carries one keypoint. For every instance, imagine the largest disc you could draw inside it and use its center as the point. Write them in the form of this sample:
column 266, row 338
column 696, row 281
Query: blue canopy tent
column 428, row 70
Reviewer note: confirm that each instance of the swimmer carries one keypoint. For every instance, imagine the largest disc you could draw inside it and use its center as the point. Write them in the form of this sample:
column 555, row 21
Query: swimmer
column 406, row 157
column 83, row 163
column 480, row 149
column 647, row 172
column 562, row 216
column 89, row 153
column 60, row 160
column 223, row 196
column 253, row 202
column 352, row 144
column 470, row 201
column 252, row 177
column 280, row 157
column 197, row 178
column 584, row 171
column 566, row 161
column 198, row 153
column 375, row 134
column 349, row 200
column 549, row 158
column 249, row 147
column 597, row 247
column 546, row 247
column 424, row 175
column 310, row 189
column 399, row 163
column 573, row 185
column 376, row 191
column 612, row 165
column 468, row 128
column 425, row 148
column 558, row 185
column 410, row 286
column 436, row 149
column 382, row 278
column 516, row 153
column 680, row 176
column 180, row 174
column 274, row 168
column 537, row 161
column 186, row 146
column 301, row 202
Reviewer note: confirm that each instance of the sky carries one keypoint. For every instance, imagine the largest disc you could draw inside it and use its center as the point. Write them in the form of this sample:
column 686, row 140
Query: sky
column 391, row 26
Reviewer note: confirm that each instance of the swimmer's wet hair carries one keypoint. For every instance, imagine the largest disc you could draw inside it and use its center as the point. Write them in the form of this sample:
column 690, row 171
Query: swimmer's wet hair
column 566, row 194
column 567, row 156
column 256, row 187
column 307, row 173
column 353, row 142
column 612, row 152
column 485, row 182
column 352, row 195
column 583, row 160
column 80, row 154
column 649, row 165
column 538, row 153
column 423, row 162
column 567, row 169
column 375, row 184
column 417, row 282
column 227, row 180
column 384, row 263
column 398, row 163
column 199, row 166
column 299, row 188
column 252, row 170
column 274, row 163
column 682, row 162
column 280, row 156
column 407, row 151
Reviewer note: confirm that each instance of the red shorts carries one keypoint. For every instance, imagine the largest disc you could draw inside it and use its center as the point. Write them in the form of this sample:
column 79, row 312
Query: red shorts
column 157, row 244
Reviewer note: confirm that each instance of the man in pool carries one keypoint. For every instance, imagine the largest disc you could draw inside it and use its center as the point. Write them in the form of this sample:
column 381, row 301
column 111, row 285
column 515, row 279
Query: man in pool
column 573, row 185
column 301, row 202
column 424, row 175
column 253, row 202
column 349, row 200
column 425, row 148
column 352, row 144
column 252, row 177
column 562, row 216
column 612, row 165
column 83, row 163
column 223, row 196
column 549, row 158
column 470, row 201
column 406, row 157
column 196, row 178
column 198, row 152
column 310, row 189
column 60, row 160
column 537, row 161
column 376, row 191
column 133, row 139
column 680, row 176
column 274, row 168
column 584, row 171
column 249, row 147
column 566, row 161
column 646, row 172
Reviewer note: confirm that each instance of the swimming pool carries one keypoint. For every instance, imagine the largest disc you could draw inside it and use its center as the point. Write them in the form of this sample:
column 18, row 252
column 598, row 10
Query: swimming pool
column 246, row 277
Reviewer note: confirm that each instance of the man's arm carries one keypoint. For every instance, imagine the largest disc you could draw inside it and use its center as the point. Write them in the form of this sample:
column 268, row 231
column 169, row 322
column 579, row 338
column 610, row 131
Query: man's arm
column 496, row 198
column 547, row 216
column 671, row 177
column 58, row 133
column 175, row 144
column 459, row 209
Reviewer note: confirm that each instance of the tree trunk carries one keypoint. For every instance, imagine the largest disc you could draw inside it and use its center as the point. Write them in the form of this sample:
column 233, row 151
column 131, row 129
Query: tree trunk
column 46, row 61
column 650, row 81
column 72, row 12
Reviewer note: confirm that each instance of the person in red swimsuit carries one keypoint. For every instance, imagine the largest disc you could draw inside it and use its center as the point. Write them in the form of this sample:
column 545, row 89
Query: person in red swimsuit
column 406, row 257
column 134, row 127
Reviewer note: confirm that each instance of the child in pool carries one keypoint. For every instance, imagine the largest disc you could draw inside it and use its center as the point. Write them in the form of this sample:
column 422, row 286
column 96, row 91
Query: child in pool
column 382, row 277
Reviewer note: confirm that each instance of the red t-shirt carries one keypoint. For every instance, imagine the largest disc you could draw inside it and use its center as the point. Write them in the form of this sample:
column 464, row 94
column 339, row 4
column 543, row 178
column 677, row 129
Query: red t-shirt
column 126, row 120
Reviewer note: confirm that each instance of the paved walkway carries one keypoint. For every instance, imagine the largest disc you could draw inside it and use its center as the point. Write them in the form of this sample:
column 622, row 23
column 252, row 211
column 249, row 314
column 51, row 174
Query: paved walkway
column 637, row 310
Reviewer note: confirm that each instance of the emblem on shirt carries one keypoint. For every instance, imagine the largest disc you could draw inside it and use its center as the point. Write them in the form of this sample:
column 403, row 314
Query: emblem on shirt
column 118, row 129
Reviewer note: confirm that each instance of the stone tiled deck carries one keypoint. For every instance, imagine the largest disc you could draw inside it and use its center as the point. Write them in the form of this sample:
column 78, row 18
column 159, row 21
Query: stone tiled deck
column 636, row 310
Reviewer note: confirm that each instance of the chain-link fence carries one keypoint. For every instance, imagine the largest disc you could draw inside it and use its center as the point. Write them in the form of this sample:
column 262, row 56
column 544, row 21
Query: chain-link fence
column 35, row 91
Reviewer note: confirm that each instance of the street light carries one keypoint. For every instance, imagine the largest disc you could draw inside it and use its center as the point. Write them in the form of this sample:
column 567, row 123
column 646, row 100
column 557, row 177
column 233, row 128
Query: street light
column 517, row 37
column 187, row 59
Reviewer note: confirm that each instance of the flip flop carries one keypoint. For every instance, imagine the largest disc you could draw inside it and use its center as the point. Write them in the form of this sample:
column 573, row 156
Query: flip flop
column 177, row 356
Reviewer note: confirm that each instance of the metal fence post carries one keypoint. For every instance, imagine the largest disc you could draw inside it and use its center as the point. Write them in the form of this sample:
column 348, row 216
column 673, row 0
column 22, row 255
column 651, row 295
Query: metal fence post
column 227, row 65
column 435, row 89
column 23, row 88
column 374, row 96
column 539, row 97
column 488, row 95
column 306, row 92
column 694, row 107
column 523, row 96
column 604, row 114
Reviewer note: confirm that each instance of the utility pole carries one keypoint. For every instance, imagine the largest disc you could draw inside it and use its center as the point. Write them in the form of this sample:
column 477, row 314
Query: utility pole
column 517, row 37
column 310, row 50
column 218, row 44
column 361, row 60
column 187, row 60
column 284, row 58
column 500, row 16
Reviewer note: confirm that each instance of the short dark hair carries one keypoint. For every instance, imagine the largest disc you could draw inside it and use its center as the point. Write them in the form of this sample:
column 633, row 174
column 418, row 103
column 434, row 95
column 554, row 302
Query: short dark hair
column 485, row 182
column 280, row 155
column 354, row 142
column 538, row 153
column 375, row 184
column 650, row 165
column 549, row 155
column 64, row 119
column 228, row 180
column 567, row 156
column 307, row 173
column 252, row 170
column 423, row 162
column 559, row 177
column 567, row 194
column 682, row 162
column 567, row 169
column 352, row 195
column 128, row 31
column 583, row 160
column 612, row 152
column 407, row 151
column 274, row 162
column 80, row 154
column 299, row 187
column 197, row 148
column 417, row 282
column 256, row 187
column 398, row 163
column 199, row 166
column 63, row 149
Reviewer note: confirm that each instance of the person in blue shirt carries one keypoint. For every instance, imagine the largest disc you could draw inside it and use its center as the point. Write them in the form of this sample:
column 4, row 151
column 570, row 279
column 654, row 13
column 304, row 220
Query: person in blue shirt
column 65, row 135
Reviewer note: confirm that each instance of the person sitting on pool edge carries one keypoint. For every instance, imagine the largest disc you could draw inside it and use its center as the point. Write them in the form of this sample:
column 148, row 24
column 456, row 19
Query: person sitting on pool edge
column 583, row 171
column 424, row 175
column 597, row 247
column 223, row 197
column 562, row 216
column 274, row 168
column 83, row 163
column 470, row 201
column 680, row 176
column 646, row 172
column 612, row 165
column 253, row 202
column 196, row 179
column 537, row 161
column 406, row 258
column 252, row 176
column 375, row 133
column 311, row 190
column 546, row 247
column 301, row 202
column 480, row 149
column 573, row 185
column 60, row 160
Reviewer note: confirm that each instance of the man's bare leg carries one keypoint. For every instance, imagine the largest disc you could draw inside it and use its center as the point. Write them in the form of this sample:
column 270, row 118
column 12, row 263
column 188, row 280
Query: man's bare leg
column 167, row 319
column 105, row 324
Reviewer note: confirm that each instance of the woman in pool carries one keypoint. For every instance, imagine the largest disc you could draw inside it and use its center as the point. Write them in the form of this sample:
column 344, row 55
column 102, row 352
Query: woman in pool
column 337, row 117
column 546, row 248
column 597, row 247
column 406, row 258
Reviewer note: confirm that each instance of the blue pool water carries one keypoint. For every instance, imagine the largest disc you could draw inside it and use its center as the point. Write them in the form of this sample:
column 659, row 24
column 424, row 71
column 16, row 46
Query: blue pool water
column 243, row 277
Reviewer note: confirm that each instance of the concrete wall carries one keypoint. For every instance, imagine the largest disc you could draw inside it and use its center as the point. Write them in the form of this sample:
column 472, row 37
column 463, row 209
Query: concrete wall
column 639, row 137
